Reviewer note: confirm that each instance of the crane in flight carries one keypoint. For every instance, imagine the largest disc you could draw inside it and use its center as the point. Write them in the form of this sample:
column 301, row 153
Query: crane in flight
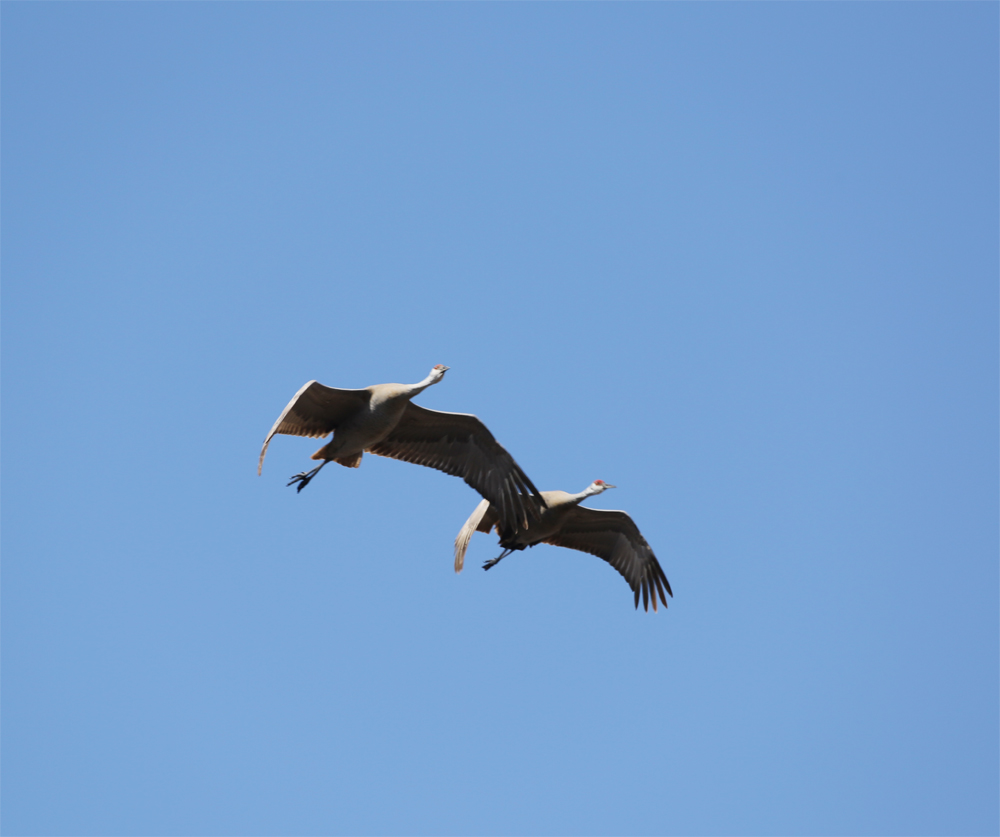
column 381, row 419
column 562, row 521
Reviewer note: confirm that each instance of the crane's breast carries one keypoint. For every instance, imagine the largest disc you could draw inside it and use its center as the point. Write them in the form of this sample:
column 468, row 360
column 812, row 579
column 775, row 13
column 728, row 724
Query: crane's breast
column 376, row 422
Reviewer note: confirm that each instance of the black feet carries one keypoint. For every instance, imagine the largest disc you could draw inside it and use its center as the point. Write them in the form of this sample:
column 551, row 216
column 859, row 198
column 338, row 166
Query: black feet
column 494, row 561
column 304, row 478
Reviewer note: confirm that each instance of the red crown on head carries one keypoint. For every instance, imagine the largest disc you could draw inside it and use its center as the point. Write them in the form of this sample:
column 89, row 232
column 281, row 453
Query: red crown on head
column 598, row 482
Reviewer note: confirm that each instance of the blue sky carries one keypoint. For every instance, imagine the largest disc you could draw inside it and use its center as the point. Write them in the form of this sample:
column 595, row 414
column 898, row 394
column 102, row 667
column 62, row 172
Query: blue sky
column 739, row 260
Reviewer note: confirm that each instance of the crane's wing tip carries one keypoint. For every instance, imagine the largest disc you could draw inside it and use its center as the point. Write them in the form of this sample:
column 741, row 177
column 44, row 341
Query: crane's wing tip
column 263, row 452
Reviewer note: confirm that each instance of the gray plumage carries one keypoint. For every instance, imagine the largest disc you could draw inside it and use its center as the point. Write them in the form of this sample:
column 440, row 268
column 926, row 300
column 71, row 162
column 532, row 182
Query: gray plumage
column 611, row 535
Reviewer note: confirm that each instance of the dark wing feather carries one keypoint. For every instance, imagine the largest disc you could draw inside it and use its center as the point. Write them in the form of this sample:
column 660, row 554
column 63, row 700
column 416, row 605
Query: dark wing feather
column 613, row 536
column 315, row 411
column 461, row 445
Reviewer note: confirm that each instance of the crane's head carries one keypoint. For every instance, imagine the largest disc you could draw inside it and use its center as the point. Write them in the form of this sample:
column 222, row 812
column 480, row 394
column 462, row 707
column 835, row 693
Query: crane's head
column 597, row 486
column 437, row 373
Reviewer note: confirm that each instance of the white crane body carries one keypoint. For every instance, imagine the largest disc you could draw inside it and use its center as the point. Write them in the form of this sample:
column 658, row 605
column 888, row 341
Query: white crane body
column 369, row 425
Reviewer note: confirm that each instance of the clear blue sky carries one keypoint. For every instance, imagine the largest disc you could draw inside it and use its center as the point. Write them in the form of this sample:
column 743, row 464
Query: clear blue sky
column 739, row 260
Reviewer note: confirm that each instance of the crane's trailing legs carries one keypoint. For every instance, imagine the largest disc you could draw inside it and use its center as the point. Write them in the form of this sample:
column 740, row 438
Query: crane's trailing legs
column 493, row 561
column 304, row 478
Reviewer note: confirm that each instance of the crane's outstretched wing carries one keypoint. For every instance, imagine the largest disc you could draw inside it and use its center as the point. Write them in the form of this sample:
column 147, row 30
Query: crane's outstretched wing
column 315, row 411
column 460, row 445
column 613, row 536
column 482, row 519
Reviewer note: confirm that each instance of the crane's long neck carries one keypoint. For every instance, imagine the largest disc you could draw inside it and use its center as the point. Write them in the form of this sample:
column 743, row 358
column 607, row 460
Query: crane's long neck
column 589, row 491
column 414, row 389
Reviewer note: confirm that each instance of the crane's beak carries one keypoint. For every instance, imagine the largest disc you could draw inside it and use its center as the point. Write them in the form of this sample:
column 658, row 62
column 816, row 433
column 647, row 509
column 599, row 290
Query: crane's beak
column 610, row 486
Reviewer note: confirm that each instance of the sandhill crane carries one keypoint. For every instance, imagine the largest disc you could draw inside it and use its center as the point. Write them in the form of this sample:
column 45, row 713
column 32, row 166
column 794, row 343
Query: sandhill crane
column 382, row 420
column 611, row 535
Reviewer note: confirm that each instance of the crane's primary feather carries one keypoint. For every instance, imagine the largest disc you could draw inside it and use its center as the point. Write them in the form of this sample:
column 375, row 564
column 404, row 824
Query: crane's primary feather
column 613, row 536
column 461, row 445
column 481, row 520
